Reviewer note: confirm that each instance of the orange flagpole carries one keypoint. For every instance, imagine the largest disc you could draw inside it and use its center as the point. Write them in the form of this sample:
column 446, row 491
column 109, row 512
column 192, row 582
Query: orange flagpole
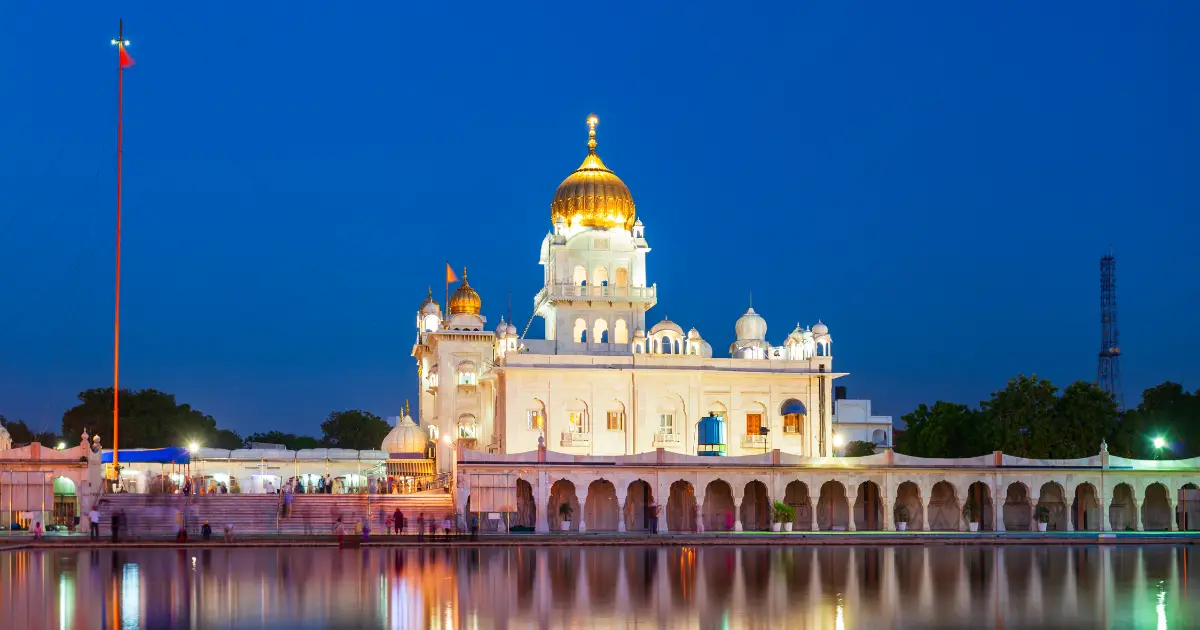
column 120, row 42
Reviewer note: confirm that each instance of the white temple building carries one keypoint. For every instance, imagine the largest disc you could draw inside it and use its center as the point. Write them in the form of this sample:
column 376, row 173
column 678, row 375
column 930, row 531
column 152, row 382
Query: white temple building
column 604, row 380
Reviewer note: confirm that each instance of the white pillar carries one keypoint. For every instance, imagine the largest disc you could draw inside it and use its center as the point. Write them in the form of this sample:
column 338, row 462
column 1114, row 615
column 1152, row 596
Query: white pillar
column 812, row 514
column 1137, row 511
column 997, row 515
column 887, row 514
column 621, row 500
column 1171, row 511
column 699, row 518
column 541, row 505
column 737, row 514
column 850, row 527
column 1106, row 517
column 582, row 510
column 925, row 514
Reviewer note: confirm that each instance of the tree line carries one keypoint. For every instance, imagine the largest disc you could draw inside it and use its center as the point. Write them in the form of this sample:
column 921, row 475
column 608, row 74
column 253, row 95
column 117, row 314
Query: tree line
column 153, row 419
column 1031, row 417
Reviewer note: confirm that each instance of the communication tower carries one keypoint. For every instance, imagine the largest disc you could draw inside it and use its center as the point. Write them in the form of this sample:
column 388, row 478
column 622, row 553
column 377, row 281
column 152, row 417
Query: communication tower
column 1108, row 370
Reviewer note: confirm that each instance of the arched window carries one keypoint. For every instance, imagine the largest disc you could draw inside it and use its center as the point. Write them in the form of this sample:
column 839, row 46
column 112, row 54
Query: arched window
column 678, row 349
column 600, row 277
column 580, row 277
column 536, row 415
column 666, row 345
column 467, row 374
column 717, row 409
column 622, row 277
column 756, row 418
column 431, row 322
column 879, row 437
column 600, row 331
column 577, row 416
column 793, row 412
column 620, row 332
column 667, row 412
column 580, row 333
column 616, row 416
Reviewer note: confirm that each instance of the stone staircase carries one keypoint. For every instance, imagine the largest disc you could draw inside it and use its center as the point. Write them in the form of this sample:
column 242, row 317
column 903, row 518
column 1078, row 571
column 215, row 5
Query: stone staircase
column 153, row 515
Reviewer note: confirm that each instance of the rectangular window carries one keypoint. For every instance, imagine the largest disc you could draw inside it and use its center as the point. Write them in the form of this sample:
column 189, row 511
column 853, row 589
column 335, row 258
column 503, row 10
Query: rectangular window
column 666, row 422
column 575, row 419
column 792, row 422
column 536, row 420
column 616, row 421
column 467, row 378
column 754, row 423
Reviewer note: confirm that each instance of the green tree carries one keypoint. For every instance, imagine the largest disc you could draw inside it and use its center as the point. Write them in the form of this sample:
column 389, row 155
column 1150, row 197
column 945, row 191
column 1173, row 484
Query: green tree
column 1169, row 411
column 226, row 439
column 289, row 441
column 21, row 433
column 1085, row 416
column 859, row 448
column 149, row 419
column 1020, row 419
column 355, row 429
column 944, row 430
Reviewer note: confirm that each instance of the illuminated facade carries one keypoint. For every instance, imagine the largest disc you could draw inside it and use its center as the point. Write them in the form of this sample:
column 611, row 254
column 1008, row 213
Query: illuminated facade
column 603, row 380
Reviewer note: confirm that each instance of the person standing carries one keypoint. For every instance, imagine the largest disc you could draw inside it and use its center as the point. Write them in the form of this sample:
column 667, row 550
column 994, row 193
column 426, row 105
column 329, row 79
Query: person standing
column 398, row 519
column 653, row 516
column 94, row 523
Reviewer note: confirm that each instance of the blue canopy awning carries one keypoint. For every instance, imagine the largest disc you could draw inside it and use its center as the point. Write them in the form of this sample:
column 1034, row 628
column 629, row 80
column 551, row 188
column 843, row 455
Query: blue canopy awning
column 792, row 406
column 169, row 455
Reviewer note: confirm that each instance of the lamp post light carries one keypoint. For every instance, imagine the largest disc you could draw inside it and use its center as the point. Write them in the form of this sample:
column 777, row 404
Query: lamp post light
column 1159, row 445
column 838, row 442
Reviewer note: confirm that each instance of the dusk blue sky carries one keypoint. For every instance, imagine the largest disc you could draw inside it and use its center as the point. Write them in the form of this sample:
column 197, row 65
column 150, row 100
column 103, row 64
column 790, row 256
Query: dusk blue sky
column 935, row 180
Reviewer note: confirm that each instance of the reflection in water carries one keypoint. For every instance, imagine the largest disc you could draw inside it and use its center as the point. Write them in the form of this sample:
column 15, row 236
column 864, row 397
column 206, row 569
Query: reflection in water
column 669, row 587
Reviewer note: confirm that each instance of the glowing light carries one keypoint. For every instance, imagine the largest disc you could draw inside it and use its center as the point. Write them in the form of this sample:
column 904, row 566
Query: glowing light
column 61, row 445
column 838, row 441
column 1159, row 442
column 193, row 447
column 1161, row 607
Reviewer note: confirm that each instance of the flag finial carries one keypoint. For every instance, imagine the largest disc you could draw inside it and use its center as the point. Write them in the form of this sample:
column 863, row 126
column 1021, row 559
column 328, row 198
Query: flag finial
column 592, row 121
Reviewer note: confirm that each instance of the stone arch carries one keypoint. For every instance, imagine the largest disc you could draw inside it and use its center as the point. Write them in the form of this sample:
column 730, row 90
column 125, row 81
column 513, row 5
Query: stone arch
column 755, row 512
column 600, row 331
column 669, row 415
column 580, row 276
column 66, row 503
column 756, row 417
column 945, row 510
column 601, row 510
column 1018, row 508
column 792, row 411
column 879, row 437
column 620, row 331
column 1187, row 510
column 1156, row 508
column 535, row 415
column 796, row 497
column 1052, row 496
column 718, row 506
column 908, row 494
column 868, row 507
column 600, row 277
column 717, row 408
column 579, row 332
column 562, row 492
column 526, row 516
column 638, row 498
column 1122, row 512
column 681, row 507
column 1085, row 509
column 621, row 277
column 980, row 495
column 833, row 510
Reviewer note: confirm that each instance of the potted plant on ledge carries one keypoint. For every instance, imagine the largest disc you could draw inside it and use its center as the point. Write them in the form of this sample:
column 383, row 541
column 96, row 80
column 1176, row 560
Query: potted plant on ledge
column 1043, row 517
column 971, row 514
column 784, row 515
column 564, row 513
column 900, row 514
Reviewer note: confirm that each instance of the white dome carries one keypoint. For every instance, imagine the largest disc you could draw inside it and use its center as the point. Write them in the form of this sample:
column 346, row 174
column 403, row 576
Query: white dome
column 501, row 328
column 751, row 327
column 512, row 330
column 796, row 336
column 693, row 334
column 5, row 439
column 666, row 325
column 820, row 328
column 638, row 333
column 405, row 438
column 705, row 350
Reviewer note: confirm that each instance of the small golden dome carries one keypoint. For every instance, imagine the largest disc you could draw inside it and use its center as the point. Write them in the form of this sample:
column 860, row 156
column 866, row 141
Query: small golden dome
column 465, row 299
column 593, row 196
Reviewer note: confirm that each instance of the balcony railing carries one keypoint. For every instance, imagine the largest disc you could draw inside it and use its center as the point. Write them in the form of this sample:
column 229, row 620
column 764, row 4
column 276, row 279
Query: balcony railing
column 667, row 439
column 572, row 438
column 570, row 291
column 754, row 441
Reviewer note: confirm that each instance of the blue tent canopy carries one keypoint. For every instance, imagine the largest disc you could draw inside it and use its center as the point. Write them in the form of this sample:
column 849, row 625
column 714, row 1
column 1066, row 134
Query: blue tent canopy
column 169, row 455
column 792, row 406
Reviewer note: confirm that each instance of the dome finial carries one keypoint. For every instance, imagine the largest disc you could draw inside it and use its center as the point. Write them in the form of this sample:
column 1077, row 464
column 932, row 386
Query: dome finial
column 464, row 273
column 592, row 121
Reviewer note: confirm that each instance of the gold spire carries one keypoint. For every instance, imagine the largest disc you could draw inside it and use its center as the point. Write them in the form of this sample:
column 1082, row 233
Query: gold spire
column 593, row 196
column 465, row 299
column 405, row 408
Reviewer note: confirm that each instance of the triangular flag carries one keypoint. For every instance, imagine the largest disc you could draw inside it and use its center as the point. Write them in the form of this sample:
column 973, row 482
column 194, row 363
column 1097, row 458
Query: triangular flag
column 450, row 277
column 126, row 60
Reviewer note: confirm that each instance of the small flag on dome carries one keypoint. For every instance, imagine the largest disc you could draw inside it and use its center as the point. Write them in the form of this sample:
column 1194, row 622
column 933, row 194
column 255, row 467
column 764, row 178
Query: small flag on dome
column 450, row 277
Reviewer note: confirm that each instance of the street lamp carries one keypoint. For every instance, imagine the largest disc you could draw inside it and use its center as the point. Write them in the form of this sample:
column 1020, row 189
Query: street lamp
column 193, row 448
column 62, row 446
column 838, row 441
column 1159, row 444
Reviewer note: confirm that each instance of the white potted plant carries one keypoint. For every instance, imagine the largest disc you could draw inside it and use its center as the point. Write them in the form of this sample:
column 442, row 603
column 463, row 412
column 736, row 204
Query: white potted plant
column 900, row 514
column 564, row 513
column 783, row 515
column 971, row 514
column 1043, row 517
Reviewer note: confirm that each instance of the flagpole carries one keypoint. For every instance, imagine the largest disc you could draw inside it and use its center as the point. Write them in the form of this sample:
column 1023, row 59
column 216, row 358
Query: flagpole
column 117, row 309
column 446, row 304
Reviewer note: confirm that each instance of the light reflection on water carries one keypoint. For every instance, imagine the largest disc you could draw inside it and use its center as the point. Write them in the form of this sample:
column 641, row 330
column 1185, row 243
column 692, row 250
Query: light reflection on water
column 668, row 587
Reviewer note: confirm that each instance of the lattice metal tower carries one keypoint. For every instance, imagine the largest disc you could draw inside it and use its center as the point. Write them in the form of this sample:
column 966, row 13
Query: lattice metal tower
column 1108, row 370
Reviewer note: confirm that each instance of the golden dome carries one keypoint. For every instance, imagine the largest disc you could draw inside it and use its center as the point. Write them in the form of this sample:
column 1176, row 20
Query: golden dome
column 593, row 196
column 465, row 299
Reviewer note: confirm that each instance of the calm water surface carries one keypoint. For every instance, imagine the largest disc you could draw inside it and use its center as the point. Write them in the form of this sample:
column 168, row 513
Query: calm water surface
column 604, row 587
